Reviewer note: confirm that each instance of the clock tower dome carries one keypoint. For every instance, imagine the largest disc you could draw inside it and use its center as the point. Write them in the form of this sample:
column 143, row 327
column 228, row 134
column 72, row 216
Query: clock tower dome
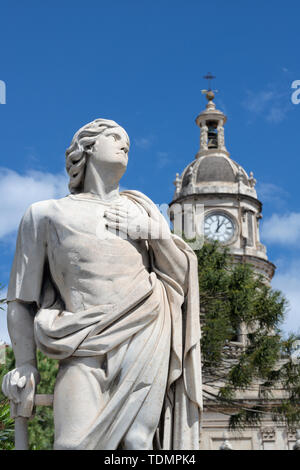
column 217, row 197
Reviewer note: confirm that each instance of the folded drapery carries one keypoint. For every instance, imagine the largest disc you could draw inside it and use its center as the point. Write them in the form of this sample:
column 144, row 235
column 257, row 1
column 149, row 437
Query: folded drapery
column 60, row 334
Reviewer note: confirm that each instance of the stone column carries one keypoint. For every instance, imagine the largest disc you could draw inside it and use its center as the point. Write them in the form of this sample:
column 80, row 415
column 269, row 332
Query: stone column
column 203, row 137
column 221, row 138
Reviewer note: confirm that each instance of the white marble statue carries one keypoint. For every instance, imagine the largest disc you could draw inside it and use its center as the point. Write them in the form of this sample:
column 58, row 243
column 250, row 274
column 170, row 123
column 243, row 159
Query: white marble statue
column 99, row 283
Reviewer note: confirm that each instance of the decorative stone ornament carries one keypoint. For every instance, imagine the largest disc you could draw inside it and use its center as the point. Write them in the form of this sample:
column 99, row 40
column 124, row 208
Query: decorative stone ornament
column 177, row 184
column 268, row 433
column 240, row 175
column 203, row 137
column 252, row 180
column 221, row 139
column 291, row 434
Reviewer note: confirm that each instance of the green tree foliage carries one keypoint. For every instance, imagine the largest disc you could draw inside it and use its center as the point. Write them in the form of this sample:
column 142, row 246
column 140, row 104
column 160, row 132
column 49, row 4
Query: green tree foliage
column 6, row 423
column 232, row 295
column 41, row 427
column 6, row 427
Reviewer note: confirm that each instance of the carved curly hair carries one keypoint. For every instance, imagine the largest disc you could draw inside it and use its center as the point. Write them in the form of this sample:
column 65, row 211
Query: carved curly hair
column 80, row 149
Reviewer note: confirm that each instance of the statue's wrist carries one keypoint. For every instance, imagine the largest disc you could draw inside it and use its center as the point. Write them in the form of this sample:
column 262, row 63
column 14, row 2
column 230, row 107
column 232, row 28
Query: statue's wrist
column 26, row 362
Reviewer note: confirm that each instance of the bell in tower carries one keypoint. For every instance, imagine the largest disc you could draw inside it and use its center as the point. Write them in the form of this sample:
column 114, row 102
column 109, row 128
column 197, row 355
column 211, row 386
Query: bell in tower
column 212, row 134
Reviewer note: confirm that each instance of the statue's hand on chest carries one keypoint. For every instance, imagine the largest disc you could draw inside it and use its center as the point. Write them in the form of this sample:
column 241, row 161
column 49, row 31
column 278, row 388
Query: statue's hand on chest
column 136, row 224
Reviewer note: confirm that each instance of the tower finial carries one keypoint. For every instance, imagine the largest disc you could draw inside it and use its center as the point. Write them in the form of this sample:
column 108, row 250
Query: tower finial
column 209, row 77
column 210, row 94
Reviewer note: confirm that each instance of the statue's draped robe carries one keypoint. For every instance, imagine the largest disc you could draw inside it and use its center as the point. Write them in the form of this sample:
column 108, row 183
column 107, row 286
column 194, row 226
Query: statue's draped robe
column 149, row 341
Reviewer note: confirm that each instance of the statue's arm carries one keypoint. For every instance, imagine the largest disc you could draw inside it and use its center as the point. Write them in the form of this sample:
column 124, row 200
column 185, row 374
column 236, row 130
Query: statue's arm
column 24, row 294
column 170, row 259
column 20, row 317
column 19, row 384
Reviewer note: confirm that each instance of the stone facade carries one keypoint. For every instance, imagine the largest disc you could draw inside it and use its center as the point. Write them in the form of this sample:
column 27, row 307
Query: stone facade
column 265, row 437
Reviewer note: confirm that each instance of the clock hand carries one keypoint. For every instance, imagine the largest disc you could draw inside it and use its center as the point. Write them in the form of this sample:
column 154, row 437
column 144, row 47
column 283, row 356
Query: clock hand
column 219, row 226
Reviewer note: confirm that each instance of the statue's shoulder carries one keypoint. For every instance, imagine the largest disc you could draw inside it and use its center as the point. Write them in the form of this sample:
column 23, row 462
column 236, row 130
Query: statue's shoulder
column 137, row 196
column 133, row 192
column 40, row 211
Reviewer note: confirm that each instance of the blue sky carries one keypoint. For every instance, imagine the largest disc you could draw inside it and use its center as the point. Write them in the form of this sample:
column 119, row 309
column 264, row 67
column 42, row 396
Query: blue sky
column 141, row 63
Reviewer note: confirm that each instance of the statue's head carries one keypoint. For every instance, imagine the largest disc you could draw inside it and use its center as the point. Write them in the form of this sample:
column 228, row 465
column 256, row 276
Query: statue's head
column 104, row 142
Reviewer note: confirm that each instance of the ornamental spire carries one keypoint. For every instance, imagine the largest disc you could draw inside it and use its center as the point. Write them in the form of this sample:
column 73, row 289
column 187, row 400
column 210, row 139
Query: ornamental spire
column 211, row 122
column 210, row 94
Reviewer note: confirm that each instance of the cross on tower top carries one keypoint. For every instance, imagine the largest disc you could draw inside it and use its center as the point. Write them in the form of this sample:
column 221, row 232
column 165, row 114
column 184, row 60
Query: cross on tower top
column 210, row 94
column 209, row 77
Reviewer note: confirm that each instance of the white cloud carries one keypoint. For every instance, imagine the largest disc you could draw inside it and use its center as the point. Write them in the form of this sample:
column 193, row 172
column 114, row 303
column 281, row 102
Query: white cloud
column 269, row 192
column 163, row 159
column 287, row 279
column 276, row 114
column 271, row 104
column 143, row 142
column 283, row 229
column 18, row 191
column 256, row 102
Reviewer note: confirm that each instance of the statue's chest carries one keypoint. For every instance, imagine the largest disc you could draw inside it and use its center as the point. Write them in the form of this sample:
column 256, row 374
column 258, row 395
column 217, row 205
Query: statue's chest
column 82, row 241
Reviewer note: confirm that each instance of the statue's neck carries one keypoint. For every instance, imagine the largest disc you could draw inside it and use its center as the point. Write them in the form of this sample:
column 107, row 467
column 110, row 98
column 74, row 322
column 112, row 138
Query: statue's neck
column 104, row 185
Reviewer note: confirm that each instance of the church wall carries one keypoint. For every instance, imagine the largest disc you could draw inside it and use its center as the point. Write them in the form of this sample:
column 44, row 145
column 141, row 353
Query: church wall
column 266, row 436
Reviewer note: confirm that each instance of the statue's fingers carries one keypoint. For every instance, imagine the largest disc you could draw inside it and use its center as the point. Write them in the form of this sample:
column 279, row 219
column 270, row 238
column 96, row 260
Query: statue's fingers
column 112, row 224
column 109, row 216
column 110, row 211
column 14, row 393
column 123, row 228
column 117, row 226
column 12, row 386
column 15, row 375
column 120, row 214
column 21, row 382
column 115, row 218
column 118, row 211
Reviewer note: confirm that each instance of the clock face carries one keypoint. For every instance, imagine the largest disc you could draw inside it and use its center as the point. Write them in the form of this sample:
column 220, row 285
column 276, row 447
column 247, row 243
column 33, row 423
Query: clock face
column 218, row 227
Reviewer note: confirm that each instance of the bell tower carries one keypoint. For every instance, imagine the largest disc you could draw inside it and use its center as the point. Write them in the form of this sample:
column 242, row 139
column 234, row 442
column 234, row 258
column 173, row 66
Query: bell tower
column 211, row 123
column 219, row 195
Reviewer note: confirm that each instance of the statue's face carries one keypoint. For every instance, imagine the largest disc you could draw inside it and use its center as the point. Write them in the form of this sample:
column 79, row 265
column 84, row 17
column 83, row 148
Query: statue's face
column 112, row 146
